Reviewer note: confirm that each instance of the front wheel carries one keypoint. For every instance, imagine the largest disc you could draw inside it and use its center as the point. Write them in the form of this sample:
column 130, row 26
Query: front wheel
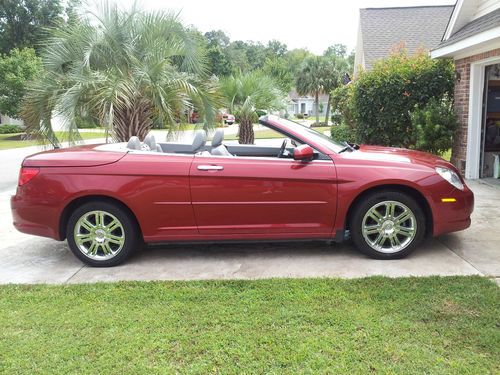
column 387, row 225
column 102, row 234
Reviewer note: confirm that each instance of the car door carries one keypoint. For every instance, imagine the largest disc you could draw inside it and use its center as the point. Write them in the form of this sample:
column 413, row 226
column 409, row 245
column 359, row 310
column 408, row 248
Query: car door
column 263, row 196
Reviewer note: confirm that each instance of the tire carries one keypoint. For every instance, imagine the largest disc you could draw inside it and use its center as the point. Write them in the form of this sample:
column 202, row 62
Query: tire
column 102, row 234
column 387, row 225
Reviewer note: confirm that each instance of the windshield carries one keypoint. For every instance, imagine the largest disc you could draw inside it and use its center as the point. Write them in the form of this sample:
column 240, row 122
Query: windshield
column 308, row 133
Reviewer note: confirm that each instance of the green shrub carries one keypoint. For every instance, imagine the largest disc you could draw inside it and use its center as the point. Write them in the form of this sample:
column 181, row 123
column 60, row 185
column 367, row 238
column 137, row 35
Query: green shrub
column 10, row 129
column 435, row 124
column 300, row 116
column 384, row 97
column 343, row 133
column 336, row 118
column 341, row 102
column 86, row 123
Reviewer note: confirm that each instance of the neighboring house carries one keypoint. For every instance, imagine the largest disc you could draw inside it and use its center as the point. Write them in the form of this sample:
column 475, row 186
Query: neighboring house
column 381, row 30
column 472, row 39
column 6, row 120
column 298, row 104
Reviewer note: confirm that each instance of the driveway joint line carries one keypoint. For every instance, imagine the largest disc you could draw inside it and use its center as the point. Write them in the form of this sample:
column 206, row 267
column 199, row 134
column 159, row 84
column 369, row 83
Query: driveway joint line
column 461, row 257
column 74, row 274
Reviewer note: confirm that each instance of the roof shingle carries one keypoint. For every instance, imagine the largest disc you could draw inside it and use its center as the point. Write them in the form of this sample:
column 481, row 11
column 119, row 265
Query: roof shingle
column 417, row 27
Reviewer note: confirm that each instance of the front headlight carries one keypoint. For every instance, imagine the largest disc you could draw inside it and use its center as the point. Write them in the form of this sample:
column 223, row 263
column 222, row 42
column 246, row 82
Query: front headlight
column 451, row 177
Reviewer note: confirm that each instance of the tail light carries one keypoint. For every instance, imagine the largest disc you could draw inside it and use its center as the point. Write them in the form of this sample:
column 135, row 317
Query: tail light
column 27, row 174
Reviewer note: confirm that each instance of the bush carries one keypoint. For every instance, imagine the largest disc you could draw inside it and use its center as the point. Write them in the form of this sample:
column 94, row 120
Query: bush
column 435, row 124
column 384, row 97
column 336, row 118
column 343, row 133
column 341, row 102
column 10, row 129
column 300, row 116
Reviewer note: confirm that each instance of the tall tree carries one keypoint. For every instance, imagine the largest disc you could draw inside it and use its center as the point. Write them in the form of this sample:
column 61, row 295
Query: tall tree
column 310, row 80
column 333, row 70
column 128, row 68
column 247, row 93
column 23, row 22
column 279, row 70
column 16, row 70
column 276, row 49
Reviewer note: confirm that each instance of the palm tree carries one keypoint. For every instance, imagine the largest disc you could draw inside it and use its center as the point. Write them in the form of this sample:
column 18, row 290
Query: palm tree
column 310, row 80
column 248, row 93
column 129, row 69
column 334, row 68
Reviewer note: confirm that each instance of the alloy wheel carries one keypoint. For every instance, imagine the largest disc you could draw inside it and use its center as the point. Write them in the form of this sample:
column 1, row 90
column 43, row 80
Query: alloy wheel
column 389, row 226
column 99, row 235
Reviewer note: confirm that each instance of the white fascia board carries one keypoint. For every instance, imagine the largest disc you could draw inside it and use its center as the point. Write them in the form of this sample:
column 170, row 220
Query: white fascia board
column 475, row 44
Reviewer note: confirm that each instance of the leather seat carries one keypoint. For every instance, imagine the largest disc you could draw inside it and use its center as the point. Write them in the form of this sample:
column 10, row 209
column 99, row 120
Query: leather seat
column 199, row 140
column 217, row 147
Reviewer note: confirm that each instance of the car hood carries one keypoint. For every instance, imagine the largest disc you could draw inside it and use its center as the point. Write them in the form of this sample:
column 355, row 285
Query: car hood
column 394, row 155
column 80, row 156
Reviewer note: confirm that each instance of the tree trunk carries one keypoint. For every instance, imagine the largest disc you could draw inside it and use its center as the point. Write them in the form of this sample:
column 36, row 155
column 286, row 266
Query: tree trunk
column 246, row 134
column 132, row 121
column 316, row 101
column 327, row 114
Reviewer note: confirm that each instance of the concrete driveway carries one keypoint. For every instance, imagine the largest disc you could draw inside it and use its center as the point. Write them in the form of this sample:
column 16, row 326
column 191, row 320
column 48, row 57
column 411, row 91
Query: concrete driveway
column 475, row 251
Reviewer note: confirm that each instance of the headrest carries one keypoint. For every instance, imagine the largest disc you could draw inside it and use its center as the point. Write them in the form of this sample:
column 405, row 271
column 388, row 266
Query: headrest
column 134, row 143
column 200, row 137
column 218, row 138
column 150, row 141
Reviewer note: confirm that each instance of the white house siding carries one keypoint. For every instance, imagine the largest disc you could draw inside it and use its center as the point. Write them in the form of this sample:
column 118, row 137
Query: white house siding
column 484, row 7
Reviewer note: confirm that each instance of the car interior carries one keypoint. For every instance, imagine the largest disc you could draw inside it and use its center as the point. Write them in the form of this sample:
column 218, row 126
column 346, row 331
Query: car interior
column 199, row 146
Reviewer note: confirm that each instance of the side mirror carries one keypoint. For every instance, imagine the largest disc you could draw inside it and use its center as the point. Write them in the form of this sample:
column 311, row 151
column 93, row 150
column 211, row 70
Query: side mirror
column 303, row 152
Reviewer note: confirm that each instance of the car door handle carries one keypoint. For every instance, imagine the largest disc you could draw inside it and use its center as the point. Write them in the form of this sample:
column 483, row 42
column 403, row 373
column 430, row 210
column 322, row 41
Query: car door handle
column 210, row 167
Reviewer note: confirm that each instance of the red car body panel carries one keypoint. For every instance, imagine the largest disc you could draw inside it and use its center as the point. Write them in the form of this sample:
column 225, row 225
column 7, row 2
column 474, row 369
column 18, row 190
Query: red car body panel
column 249, row 198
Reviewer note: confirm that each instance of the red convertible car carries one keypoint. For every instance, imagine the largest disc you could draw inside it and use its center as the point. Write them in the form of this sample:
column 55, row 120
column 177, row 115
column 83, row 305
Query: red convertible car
column 109, row 199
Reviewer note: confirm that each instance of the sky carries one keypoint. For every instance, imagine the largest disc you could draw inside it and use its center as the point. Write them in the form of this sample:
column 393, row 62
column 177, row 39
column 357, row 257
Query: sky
column 311, row 24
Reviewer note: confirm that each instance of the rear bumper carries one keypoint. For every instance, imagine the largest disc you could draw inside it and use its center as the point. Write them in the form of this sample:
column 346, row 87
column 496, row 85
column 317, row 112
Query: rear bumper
column 34, row 218
column 453, row 216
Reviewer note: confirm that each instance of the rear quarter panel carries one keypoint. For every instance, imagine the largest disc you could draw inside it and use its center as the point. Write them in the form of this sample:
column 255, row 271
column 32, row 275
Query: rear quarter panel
column 154, row 187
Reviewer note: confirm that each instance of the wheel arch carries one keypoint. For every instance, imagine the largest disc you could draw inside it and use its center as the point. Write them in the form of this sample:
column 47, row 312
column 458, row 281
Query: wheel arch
column 78, row 201
column 414, row 193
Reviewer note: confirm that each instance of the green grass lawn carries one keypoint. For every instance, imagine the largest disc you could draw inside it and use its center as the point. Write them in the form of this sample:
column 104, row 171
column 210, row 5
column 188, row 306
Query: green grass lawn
column 373, row 325
column 8, row 141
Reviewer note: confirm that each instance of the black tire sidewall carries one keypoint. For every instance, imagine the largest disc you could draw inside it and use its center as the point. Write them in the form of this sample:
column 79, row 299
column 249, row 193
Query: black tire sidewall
column 369, row 201
column 129, row 226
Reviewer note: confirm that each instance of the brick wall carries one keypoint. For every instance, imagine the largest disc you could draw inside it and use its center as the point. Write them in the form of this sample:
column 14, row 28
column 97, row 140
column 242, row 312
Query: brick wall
column 462, row 66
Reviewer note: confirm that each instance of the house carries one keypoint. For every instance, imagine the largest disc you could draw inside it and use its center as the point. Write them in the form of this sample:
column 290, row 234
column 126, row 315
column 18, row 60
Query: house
column 381, row 30
column 298, row 104
column 472, row 39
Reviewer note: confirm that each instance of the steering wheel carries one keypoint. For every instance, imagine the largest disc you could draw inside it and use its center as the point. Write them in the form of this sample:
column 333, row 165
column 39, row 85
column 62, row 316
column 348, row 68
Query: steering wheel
column 283, row 151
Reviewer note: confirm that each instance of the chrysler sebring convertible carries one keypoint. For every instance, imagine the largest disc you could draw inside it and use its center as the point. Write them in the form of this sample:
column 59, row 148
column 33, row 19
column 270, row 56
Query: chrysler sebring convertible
column 107, row 200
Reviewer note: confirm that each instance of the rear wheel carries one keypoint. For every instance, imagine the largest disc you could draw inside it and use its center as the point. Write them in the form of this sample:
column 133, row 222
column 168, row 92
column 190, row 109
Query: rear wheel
column 102, row 234
column 387, row 225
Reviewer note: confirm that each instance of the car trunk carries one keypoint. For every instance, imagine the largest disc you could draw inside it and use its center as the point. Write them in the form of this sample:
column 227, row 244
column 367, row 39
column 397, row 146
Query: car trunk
column 80, row 156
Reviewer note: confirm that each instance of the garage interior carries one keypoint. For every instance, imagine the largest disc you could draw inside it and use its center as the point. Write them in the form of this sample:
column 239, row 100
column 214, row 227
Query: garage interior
column 491, row 123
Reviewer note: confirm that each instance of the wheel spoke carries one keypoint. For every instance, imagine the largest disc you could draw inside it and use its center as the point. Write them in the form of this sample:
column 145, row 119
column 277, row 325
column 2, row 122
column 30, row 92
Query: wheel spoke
column 390, row 209
column 372, row 229
column 375, row 215
column 407, row 232
column 107, row 249
column 395, row 241
column 405, row 215
column 114, row 224
column 82, row 238
column 116, row 239
column 92, row 250
column 87, row 225
column 99, row 218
